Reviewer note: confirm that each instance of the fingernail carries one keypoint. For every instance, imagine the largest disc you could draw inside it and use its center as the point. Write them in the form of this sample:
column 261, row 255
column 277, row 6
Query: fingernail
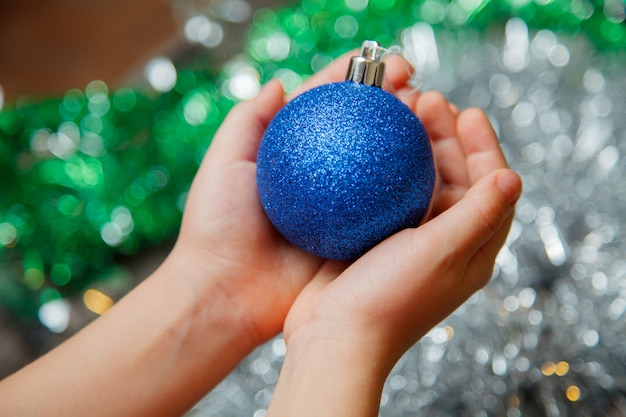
column 510, row 184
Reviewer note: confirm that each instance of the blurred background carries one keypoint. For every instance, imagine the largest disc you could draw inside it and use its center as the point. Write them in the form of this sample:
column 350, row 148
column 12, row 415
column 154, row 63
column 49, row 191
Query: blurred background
column 48, row 48
column 106, row 109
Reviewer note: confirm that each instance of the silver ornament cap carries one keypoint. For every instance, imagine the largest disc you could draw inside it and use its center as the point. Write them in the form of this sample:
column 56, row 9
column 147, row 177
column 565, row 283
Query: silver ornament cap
column 368, row 68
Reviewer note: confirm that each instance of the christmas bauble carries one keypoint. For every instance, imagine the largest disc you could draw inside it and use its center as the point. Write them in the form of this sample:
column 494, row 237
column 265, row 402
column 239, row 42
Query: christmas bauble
column 342, row 167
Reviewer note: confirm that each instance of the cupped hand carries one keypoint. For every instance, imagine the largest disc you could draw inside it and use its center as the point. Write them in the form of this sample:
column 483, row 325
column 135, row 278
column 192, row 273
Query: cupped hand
column 389, row 298
column 226, row 240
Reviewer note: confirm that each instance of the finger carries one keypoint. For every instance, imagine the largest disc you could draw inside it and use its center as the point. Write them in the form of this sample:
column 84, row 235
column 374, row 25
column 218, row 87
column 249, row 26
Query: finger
column 239, row 135
column 408, row 95
column 396, row 74
column 480, row 267
column 457, row 234
column 440, row 122
column 434, row 111
column 429, row 263
column 472, row 223
column 446, row 195
column 480, row 144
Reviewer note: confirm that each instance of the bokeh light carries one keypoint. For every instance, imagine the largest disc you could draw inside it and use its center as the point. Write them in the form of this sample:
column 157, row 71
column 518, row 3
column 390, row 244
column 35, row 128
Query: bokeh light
column 161, row 74
column 55, row 315
column 97, row 301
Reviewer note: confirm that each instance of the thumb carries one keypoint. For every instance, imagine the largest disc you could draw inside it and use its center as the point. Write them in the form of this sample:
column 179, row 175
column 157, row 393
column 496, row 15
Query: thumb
column 474, row 229
column 239, row 135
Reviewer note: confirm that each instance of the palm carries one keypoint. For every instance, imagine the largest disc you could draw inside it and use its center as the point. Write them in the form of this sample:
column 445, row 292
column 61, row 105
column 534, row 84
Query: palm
column 225, row 222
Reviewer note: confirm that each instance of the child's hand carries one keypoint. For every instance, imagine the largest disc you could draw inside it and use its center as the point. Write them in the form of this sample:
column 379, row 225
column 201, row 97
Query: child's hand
column 345, row 333
column 226, row 238
column 408, row 283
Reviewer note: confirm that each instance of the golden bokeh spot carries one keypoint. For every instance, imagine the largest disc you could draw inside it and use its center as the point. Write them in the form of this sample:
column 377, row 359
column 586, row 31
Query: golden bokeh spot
column 572, row 393
column 562, row 368
column 548, row 368
column 97, row 301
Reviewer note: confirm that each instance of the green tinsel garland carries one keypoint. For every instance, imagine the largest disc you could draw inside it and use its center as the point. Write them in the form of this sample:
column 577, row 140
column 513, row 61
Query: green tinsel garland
column 96, row 174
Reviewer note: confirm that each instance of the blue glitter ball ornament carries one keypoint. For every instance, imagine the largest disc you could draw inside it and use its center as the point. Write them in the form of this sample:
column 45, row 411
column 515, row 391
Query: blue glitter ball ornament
column 345, row 165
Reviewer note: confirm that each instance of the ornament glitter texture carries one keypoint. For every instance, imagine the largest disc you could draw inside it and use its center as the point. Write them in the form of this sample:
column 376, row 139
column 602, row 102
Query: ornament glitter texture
column 345, row 165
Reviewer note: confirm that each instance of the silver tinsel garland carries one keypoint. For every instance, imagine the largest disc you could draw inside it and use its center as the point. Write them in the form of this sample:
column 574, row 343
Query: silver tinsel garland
column 547, row 336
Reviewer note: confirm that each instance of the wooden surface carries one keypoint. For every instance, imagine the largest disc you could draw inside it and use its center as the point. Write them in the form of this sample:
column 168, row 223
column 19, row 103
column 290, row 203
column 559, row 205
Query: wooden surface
column 50, row 46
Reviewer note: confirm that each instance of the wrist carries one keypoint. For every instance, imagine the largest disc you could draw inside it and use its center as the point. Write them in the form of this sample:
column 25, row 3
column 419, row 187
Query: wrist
column 330, row 376
column 208, row 303
column 358, row 348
